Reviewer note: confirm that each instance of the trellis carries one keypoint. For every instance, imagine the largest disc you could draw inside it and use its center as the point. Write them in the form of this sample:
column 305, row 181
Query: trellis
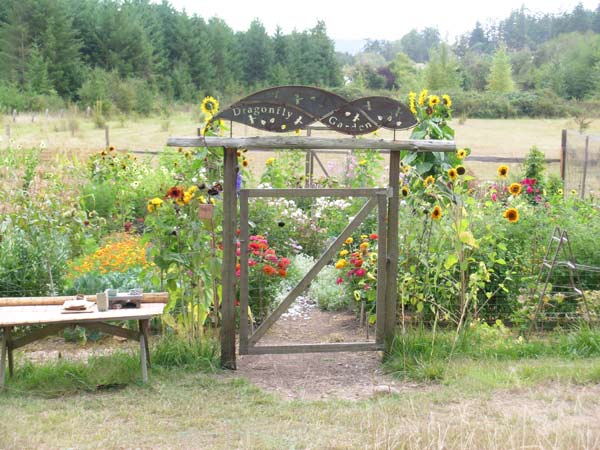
column 387, row 296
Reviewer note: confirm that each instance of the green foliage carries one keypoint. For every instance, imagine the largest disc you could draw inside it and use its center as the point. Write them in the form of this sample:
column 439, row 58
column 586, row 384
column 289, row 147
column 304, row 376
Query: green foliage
column 534, row 164
column 500, row 78
column 171, row 351
column 425, row 355
column 442, row 71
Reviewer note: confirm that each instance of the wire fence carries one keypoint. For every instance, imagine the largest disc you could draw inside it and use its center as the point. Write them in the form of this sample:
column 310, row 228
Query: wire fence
column 581, row 161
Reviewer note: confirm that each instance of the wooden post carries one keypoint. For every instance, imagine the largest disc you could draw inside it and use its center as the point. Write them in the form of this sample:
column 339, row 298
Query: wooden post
column 563, row 154
column 392, row 250
column 3, row 351
column 381, row 267
column 244, row 294
column 106, row 136
column 229, row 257
column 585, row 165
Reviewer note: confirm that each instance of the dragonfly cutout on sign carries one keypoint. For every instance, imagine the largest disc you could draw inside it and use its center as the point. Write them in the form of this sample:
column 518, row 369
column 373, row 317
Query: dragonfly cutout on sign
column 289, row 108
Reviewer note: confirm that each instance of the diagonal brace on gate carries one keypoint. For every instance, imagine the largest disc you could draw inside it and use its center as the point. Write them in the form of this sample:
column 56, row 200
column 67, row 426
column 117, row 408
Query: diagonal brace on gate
column 312, row 273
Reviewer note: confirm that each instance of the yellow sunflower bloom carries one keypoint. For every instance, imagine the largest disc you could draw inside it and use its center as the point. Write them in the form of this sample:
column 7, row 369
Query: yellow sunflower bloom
column 515, row 188
column 446, row 100
column 433, row 100
column 209, row 106
column 461, row 153
column 411, row 102
column 503, row 171
column 422, row 97
column 436, row 214
column 404, row 191
column 428, row 181
column 512, row 215
column 452, row 173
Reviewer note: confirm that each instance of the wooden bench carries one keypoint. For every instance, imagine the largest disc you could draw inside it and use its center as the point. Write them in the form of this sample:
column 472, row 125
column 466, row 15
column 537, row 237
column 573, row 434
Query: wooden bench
column 46, row 311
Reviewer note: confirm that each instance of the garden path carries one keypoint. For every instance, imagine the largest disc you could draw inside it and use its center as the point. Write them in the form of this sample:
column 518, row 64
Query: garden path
column 345, row 375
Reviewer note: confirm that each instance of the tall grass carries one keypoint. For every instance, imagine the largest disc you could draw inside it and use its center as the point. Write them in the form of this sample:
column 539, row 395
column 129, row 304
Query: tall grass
column 117, row 370
column 420, row 354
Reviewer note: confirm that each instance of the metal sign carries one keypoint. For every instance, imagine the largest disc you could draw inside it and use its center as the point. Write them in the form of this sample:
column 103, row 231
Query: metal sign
column 289, row 108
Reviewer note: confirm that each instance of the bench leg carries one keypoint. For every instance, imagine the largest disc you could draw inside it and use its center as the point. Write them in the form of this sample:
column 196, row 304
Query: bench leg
column 3, row 352
column 11, row 365
column 144, row 352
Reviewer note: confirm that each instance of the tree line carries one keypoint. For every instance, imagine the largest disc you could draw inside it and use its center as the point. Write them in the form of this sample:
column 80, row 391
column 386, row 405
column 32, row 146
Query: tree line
column 134, row 55
column 124, row 53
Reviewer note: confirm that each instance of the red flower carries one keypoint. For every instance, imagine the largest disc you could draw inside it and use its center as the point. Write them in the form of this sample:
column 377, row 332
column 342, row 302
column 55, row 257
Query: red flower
column 251, row 262
column 284, row 263
column 128, row 226
column 269, row 270
column 282, row 272
column 340, row 280
column 358, row 263
column 373, row 236
column 360, row 272
column 175, row 193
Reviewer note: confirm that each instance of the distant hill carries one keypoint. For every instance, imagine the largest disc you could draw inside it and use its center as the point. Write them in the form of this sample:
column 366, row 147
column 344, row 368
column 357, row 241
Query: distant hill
column 352, row 46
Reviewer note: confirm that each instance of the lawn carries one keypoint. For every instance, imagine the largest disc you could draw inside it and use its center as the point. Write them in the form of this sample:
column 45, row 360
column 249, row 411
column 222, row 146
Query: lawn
column 547, row 403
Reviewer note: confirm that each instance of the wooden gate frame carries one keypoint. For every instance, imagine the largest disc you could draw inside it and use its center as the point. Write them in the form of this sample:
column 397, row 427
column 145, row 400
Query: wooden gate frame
column 231, row 145
column 376, row 198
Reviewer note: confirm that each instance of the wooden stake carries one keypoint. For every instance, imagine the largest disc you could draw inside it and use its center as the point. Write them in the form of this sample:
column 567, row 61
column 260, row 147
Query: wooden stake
column 229, row 257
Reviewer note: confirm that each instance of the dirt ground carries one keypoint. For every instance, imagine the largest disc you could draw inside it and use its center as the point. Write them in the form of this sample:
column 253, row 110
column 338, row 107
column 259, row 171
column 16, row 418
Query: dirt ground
column 347, row 375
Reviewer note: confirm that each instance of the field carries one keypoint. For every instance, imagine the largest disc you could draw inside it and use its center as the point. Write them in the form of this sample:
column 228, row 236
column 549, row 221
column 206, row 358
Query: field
column 506, row 138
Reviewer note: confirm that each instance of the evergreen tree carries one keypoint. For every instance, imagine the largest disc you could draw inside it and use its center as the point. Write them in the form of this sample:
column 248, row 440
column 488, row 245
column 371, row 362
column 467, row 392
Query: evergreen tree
column 257, row 54
column 442, row 71
column 37, row 79
column 500, row 79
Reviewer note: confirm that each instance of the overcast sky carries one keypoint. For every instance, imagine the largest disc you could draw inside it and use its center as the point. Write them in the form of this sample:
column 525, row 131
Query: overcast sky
column 352, row 19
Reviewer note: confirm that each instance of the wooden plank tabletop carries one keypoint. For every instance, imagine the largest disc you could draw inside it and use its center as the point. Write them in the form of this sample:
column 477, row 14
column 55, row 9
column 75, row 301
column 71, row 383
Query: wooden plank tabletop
column 46, row 314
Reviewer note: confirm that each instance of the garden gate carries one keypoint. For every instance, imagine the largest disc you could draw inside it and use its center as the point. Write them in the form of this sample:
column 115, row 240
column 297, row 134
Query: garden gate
column 289, row 108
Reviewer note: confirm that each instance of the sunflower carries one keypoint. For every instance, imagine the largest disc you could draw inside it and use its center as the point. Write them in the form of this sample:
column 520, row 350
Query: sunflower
column 209, row 106
column 422, row 97
column 515, row 188
column 429, row 180
column 270, row 161
column 411, row 102
column 404, row 191
column 461, row 153
column 433, row 100
column 512, row 215
column 452, row 173
column 436, row 214
column 245, row 162
column 503, row 171
column 460, row 170
column 446, row 100
column 349, row 241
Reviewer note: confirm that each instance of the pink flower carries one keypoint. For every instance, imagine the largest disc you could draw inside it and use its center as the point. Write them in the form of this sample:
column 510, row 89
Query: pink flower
column 237, row 252
column 494, row 197
column 360, row 272
column 340, row 280
column 251, row 262
column 529, row 189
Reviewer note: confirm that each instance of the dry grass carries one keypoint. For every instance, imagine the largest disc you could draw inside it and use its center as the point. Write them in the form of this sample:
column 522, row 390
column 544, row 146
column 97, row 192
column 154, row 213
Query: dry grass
column 485, row 137
column 183, row 410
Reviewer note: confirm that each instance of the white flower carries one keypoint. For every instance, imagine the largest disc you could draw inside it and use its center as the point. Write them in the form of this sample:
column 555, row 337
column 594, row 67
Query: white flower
column 42, row 145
